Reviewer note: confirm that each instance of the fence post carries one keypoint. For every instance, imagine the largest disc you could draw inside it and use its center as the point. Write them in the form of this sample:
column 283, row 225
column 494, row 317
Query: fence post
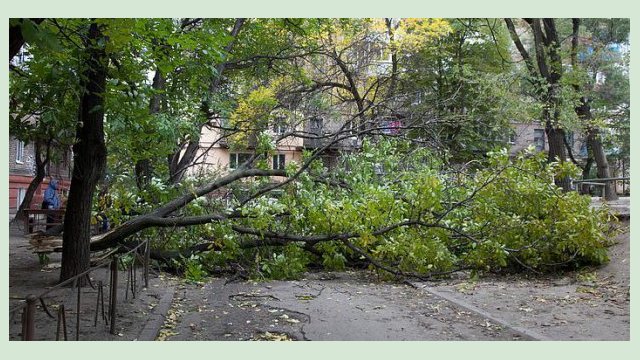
column 147, row 255
column 28, row 319
column 114, row 294
column 78, row 311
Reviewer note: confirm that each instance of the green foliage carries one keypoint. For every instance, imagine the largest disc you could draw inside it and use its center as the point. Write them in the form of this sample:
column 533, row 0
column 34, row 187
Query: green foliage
column 333, row 258
column 43, row 259
column 520, row 218
column 507, row 215
column 194, row 270
column 289, row 264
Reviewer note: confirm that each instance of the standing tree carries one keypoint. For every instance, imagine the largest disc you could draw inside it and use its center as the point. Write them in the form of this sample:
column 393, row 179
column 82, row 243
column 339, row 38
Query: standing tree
column 545, row 74
column 595, row 60
column 89, row 155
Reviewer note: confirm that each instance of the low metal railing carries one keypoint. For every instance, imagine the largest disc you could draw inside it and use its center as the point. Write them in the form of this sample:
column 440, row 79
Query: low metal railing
column 42, row 219
column 29, row 307
column 601, row 183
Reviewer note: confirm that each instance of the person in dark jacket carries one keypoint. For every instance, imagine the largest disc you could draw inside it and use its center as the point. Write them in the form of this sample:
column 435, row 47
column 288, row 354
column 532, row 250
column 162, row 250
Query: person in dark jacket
column 51, row 201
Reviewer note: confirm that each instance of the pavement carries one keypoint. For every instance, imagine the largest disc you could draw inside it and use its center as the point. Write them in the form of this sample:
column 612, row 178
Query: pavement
column 346, row 306
column 139, row 317
column 621, row 208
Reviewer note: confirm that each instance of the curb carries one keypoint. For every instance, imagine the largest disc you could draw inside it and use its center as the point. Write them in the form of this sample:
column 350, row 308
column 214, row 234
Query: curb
column 156, row 319
column 525, row 333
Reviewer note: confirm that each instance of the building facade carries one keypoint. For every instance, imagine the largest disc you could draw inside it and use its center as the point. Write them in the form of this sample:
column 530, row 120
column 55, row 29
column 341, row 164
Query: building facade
column 532, row 134
column 22, row 168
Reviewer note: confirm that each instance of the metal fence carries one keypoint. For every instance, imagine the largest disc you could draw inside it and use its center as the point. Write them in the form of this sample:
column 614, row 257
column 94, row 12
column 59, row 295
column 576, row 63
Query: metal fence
column 622, row 185
column 70, row 298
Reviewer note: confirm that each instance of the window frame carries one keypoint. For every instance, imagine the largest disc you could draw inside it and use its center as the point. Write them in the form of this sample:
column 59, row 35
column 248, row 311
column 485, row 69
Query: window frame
column 240, row 158
column 279, row 161
column 280, row 127
column 542, row 139
column 20, row 152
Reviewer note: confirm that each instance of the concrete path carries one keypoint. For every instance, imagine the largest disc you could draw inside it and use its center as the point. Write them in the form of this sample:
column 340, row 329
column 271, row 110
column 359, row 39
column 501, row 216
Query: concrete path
column 348, row 307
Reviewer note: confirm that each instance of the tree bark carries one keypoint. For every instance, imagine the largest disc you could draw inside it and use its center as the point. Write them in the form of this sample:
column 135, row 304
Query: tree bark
column 602, row 164
column 90, row 159
column 593, row 134
column 586, row 170
column 557, row 152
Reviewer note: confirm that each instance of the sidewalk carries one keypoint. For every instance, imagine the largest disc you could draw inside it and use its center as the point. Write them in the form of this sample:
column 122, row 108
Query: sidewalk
column 137, row 319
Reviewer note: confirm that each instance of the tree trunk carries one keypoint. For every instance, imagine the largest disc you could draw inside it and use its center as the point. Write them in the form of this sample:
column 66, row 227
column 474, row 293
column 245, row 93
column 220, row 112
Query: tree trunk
column 546, row 72
column 143, row 171
column 90, row 159
column 595, row 145
column 144, row 168
column 41, row 166
column 602, row 165
column 585, row 175
column 557, row 152
column 179, row 162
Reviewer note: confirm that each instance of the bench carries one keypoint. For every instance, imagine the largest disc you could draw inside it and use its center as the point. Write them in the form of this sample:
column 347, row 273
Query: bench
column 36, row 219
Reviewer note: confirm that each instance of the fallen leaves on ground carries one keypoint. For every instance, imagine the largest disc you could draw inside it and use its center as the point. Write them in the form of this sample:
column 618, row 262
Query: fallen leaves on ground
column 269, row 336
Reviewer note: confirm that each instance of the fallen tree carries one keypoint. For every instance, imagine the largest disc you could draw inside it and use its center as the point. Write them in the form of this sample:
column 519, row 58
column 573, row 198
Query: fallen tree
column 416, row 220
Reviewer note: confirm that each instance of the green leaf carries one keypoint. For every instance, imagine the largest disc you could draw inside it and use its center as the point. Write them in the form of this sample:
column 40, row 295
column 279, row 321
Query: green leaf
column 29, row 31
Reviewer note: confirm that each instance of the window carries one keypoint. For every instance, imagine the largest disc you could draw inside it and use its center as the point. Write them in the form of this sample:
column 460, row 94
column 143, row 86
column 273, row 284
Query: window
column 538, row 139
column 279, row 127
column 350, row 128
column 19, row 152
column 278, row 162
column 237, row 159
column 21, row 194
column 21, row 58
column 316, row 125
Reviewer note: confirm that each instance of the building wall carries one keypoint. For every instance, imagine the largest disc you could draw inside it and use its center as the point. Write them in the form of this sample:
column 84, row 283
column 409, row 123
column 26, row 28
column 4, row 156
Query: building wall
column 525, row 134
column 21, row 174
column 25, row 167
column 214, row 157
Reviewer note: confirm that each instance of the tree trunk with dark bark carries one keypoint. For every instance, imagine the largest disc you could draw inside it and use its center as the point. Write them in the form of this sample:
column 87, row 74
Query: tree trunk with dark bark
column 90, row 159
column 583, row 111
column 586, row 170
column 557, row 152
column 602, row 164
column 546, row 71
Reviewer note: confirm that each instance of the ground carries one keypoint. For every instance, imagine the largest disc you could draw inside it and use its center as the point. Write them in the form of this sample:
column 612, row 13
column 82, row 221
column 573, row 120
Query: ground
column 591, row 304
